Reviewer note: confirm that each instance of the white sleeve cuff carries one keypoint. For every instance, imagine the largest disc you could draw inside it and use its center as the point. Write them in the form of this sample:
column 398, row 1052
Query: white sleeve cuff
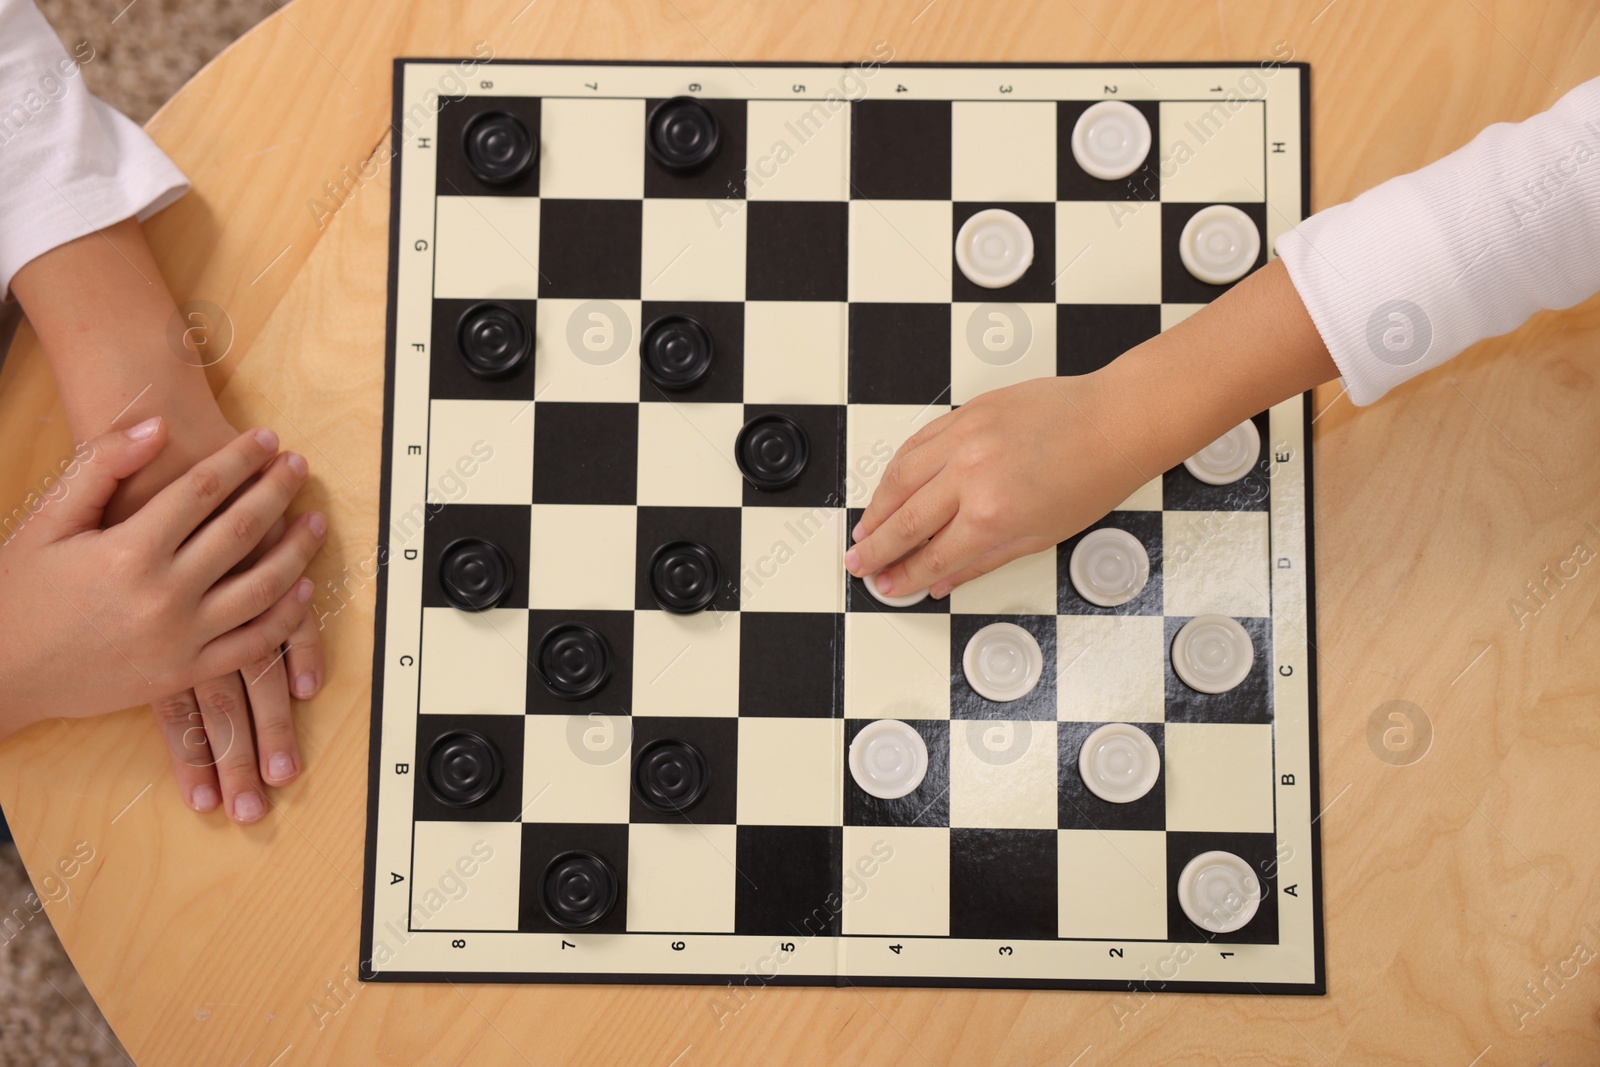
column 1411, row 272
column 69, row 163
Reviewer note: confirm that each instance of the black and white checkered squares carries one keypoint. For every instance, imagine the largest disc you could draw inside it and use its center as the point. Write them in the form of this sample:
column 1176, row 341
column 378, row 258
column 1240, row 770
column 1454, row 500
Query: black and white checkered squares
column 817, row 248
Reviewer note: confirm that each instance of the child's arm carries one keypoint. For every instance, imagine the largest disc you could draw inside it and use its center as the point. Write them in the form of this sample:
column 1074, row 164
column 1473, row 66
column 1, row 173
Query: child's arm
column 74, row 177
column 1376, row 290
column 1019, row 469
column 100, row 619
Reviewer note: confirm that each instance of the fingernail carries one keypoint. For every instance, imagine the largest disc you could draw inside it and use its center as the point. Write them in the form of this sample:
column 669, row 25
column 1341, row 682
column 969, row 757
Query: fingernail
column 297, row 463
column 247, row 807
column 204, row 798
column 318, row 524
column 883, row 583
column 852, row 560
column 281, row 766
column 855, row 535
column 141, row 431
column 304, row 685
column 939, row 592
column 302, row 590
column 266, row 439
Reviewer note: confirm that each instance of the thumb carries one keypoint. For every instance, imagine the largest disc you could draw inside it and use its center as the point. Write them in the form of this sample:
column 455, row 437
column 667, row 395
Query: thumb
column 78, row 499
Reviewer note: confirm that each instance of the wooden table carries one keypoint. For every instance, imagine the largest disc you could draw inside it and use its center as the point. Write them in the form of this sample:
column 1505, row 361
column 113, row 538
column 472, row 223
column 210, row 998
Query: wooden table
column 1458, row 888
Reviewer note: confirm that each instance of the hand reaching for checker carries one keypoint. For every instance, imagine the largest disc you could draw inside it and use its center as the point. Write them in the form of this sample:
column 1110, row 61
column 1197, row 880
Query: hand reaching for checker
column 1009, row 473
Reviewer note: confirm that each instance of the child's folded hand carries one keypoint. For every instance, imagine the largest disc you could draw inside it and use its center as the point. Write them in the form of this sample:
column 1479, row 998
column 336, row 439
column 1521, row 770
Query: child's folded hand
column 101, row 619
column 1009, row 473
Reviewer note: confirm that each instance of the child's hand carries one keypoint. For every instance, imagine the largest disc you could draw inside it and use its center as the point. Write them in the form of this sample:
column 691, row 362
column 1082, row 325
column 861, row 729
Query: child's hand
column 1010, row 473
column 98, row 620
column 230, row 734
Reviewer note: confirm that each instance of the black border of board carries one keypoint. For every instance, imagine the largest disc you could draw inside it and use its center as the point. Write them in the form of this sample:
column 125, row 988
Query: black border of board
column 1317, row 987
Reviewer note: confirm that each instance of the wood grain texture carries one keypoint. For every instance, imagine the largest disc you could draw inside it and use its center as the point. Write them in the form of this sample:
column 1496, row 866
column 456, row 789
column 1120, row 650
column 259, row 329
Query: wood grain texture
column 1450, row 884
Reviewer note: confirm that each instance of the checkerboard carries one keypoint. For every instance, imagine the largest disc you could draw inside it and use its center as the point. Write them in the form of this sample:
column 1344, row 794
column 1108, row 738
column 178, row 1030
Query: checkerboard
column 817, row 249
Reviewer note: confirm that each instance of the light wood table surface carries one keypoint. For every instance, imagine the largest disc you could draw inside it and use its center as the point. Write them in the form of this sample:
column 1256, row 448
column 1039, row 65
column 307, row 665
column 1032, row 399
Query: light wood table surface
column 1450, row 884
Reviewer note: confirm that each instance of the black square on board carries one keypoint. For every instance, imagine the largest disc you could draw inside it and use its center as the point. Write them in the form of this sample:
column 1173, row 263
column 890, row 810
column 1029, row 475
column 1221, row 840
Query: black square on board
column 791, row 664
column 1146, row 526
column 1259, row 851
column 585, row 453
column 724, row 320
column 1080, row 809
column 788, row 884
column 926, row 805
column 719, row 529
column 1038, row 704
column 448, row 376
column 1178, row 286
column 1074, row 183
column 1037, row 284
column 543, row 842
column 899, row 354
column 900, row 150
column 506, row 525
column 615, row 697
column 1182, row 491
column 504, row 802
column 723, row 177
column 1248, row 702
column 1003, row 884
column 717, row 739
column 821, row 484
column 1089, row 336
column 590, row 249
column 856, row 597
column 796, row 250
column 455, row 178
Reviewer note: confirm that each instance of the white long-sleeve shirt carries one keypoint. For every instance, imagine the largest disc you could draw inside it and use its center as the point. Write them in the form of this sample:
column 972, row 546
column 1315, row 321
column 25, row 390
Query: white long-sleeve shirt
column 69, row 163
column 1411, row 272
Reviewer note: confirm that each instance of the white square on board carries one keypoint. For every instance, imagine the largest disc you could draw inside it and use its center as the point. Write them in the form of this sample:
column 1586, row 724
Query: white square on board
column 465, row 875
column 1108, row 253
column 1212, row 151
column 896, row 880
column 798, row 150
column 1219, row 776
column 793, row 559
column 1216, row 562
column 794, row 778
column 686, row 454
column 587, row 350
column 681, row 877
column 591, row 149
column 486, row 247
column 474, row 662
column 897, row 665
column 686, row 664
column 481, row 451
column 1147, row 497
column 693, row 250
column 1003, row 774
column 1113, row 884
column 873, row 433
column 1025, row 586
column 1110, row 668
column 574, row 555
column 1003, row 151
column 900, row 250
column 575, row 768
column 998, row 344
column 794, row 352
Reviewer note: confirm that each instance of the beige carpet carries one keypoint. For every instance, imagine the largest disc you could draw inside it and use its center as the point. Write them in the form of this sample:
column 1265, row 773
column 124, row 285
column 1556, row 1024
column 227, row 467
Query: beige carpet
column 141, row 53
